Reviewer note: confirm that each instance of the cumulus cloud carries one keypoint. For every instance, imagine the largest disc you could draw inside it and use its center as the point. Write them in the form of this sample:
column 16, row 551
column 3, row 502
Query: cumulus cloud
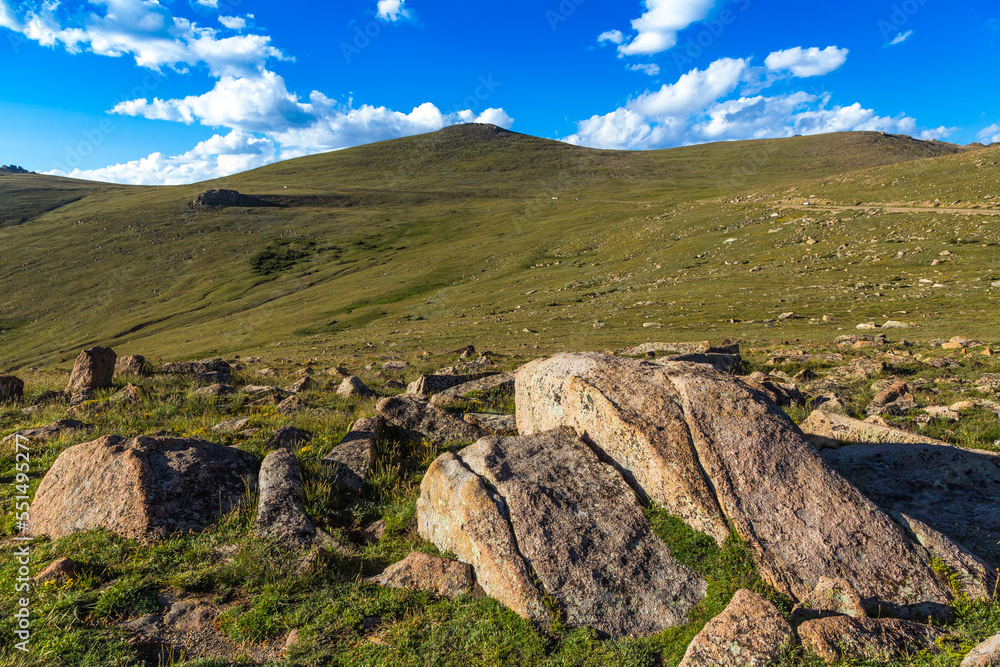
column 214, row 158
column 989, row 135
column 707, row 105
column 807, row 62
column 148, row 32
column 652, row 69
column 657, row 28
column 233, row 22
column 392, row 10
column 613, row 36
column 901, row 37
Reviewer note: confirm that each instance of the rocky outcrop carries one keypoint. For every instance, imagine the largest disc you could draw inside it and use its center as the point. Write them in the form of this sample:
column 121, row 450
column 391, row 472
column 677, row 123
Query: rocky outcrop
column 304, row 384
column 11, row 388
column 750, row 633
column 839, row 637
column 714, row 452
column 443, row 577
column 281, row 513
column 223, row 198
column 580, row 529
column 351, row 461
column 94, row 369
column 146, row 487
column 893, row 400
column 134, row 364
column 424, row 421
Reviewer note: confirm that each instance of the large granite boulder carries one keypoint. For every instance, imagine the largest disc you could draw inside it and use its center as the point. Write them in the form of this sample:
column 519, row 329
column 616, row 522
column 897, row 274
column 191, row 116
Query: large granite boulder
column 578, row 526
column 146, row 487
column 714, row 452
column 94, row 369
column 133, row 364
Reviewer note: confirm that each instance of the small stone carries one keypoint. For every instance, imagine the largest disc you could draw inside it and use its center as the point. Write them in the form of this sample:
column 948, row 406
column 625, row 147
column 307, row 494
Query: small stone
column 837, row 596
column 291, row 405
column 267, row 373
column 447, row 578
column 786, row 316
column 986, row 654
column 216, row 390
column 305, row 384
column 867, row 325
column 11, row 388
column 231, row 426
column 353, row 387
column 130, row 393
column 288, row 437
column 373, row 533
column 134, row 364
column 59, row 572
column 395, row 366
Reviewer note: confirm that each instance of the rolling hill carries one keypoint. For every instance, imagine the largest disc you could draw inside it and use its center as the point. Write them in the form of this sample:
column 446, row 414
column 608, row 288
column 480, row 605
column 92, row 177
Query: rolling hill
column 478, row 233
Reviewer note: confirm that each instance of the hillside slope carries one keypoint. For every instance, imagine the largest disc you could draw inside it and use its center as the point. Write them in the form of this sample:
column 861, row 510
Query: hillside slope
column 476, row 232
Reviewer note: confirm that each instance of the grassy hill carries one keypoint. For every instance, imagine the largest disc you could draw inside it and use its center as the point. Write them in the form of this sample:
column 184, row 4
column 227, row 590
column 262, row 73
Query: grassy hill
column 477, row 234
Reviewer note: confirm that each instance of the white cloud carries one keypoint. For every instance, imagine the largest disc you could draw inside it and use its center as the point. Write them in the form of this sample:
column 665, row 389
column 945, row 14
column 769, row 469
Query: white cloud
column 8, row 19
column 214, row 158
column 392, row 10
column 613, row 36
column 693, row 90
column 807, row 62
column 989, row 135
column 233, row 22
column 657, row 28
column 701, row 107
column 901, row 37
column 148, row 32
column 652, row 69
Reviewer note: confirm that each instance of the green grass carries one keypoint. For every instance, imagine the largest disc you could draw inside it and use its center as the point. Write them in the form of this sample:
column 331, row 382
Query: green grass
column 455, row 237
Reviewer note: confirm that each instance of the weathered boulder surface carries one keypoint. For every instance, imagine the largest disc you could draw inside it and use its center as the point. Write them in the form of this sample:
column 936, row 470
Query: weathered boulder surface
column 829, row 430
column 676, row 348
column 94, row 369
column 133, row 364
column 751, row 632
column 351, row 461
column 838, row 637
column 986, row 654
column 838, row 597
column 433, row 384
column 893, row 400
column 459, row 514
column 281, row 513
column 501, row 381
column 492, row 424
column 53, row 430
column 203, row 367
column 711, row 451
column 11, row 388
column 423, row 420
column 582, row 531
column 952, row 490
column 146, row 487
column 447, row 578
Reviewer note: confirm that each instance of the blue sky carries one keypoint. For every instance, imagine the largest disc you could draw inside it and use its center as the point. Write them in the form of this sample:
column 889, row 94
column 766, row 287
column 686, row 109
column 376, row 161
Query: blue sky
column 177, row 91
